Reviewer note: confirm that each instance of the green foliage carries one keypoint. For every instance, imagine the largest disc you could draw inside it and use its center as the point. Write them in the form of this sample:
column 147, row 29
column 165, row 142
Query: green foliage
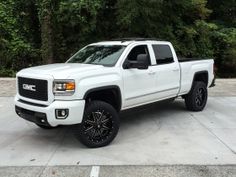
column 181, row 22
column 225, row 51
column 34, row 32
column 16, row 51
column 77, row 21
column 224, row 12
column 134, row 19
column 7, row 72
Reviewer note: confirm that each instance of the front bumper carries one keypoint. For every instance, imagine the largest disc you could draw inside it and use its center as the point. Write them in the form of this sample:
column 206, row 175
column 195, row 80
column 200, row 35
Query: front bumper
column 45, row 115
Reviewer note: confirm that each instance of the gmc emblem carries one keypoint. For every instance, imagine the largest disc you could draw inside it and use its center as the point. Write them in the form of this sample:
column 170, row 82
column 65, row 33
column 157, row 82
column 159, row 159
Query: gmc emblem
column 29, row 87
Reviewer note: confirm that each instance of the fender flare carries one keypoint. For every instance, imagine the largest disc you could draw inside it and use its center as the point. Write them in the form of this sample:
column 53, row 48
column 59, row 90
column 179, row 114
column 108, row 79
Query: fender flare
column 200, row 72
column 106, row 88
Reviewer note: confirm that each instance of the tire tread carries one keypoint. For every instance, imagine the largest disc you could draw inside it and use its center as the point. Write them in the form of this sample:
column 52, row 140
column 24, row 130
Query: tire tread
column 79, row 130
column 190, row 97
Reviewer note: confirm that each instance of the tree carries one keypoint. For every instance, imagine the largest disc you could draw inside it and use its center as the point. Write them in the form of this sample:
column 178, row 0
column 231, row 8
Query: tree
column 138, row 17
column 224, row 12
column 47, row 13
column 38, row 31
column 76, row 25
column 17, row 49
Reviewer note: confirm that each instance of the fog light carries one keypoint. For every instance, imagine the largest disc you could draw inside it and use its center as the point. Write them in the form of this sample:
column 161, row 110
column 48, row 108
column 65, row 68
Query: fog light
column 62, row 113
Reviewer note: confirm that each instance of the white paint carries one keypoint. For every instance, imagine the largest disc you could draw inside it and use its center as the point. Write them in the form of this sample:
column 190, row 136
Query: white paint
column 95, row 171
column 137, row 86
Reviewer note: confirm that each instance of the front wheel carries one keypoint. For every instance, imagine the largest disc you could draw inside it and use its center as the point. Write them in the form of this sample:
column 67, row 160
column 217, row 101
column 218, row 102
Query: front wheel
column 196, row 99
column 99, row 126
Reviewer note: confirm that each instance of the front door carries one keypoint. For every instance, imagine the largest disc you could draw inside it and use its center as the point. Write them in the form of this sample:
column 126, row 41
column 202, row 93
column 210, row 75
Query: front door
column 138, row 83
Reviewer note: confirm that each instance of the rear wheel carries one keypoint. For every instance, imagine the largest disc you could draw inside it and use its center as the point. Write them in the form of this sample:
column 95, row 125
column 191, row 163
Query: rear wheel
column 99, row 126
column 196, row 99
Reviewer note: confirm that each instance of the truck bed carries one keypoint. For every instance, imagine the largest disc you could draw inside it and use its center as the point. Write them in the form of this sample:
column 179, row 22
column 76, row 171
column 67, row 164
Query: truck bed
column 189, row 67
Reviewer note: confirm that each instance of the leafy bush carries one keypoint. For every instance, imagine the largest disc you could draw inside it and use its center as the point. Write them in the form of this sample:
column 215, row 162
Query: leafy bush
column 35, row 32
column 7, row 72
column 225, row 51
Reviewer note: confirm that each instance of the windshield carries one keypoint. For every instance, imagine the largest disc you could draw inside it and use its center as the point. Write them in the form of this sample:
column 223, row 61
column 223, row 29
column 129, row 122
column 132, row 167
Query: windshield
column 106, row 55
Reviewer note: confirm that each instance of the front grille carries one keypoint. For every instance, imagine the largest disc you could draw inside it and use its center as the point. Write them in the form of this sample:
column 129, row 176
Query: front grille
column 33, row 88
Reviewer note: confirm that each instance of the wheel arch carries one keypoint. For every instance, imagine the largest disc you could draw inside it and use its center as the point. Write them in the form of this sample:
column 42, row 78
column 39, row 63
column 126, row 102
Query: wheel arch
column 201, row 76
column 110, row 94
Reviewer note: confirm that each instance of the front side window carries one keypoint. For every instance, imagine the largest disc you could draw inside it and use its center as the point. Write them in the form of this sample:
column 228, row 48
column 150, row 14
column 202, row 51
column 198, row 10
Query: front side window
column 163, row 54
column 106, row 55
column 141, row 49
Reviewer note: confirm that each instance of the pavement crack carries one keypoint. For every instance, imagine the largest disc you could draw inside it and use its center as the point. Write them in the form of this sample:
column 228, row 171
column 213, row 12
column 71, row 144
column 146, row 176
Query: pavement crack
column 208, row 129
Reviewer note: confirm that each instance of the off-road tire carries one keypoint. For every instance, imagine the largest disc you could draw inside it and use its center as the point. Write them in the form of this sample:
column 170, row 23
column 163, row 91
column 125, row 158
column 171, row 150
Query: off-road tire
column 196, row 99
column 99, row 126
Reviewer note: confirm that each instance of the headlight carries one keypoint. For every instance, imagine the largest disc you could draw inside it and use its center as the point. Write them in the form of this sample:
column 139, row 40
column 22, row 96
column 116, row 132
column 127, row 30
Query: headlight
column 63, row 87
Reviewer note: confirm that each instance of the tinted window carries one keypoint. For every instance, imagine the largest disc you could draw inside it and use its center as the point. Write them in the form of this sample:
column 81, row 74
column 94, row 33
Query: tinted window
column 106, row 55
column 163, row 54
column 141, row 49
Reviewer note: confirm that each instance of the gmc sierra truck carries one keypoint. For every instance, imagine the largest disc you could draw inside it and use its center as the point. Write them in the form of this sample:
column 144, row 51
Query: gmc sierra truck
column 104, row 78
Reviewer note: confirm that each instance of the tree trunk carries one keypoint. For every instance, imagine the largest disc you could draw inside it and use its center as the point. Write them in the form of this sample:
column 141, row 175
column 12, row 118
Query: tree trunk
column 47, row 37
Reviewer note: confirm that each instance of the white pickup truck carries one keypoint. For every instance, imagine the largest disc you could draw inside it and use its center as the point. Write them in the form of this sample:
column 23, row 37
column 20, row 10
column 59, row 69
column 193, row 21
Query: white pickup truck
column 102, row 79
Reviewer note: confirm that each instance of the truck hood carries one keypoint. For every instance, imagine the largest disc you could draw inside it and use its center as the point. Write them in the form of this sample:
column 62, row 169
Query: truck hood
column 60, row 70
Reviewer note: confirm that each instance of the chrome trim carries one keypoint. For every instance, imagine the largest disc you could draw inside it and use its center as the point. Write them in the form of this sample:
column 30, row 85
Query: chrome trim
column 63, row 93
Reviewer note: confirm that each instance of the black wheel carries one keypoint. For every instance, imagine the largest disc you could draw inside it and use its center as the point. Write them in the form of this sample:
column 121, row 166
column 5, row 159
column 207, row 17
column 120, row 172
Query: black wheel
column 99, row 126
column 45, row 126
column 196, row 99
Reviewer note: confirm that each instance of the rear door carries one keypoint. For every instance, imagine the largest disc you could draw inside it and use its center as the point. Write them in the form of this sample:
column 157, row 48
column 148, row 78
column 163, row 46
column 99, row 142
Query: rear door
column 167, row 71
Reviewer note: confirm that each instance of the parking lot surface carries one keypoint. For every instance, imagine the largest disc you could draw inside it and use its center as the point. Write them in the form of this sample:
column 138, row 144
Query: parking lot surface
column 158, row 139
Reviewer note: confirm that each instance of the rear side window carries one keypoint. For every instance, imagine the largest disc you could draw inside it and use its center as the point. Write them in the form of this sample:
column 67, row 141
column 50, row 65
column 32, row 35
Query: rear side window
column 163, row 54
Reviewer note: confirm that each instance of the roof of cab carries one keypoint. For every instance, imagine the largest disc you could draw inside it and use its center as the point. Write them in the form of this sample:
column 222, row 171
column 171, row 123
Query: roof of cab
column 127, row 41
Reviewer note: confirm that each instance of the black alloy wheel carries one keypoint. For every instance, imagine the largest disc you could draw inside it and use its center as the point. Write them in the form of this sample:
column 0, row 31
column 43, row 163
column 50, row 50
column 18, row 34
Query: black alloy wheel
column 196, row 99
column 100, row 125
column 200, row 97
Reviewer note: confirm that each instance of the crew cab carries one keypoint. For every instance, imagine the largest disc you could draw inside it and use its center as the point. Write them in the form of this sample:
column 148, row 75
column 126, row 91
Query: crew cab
column 104, row 78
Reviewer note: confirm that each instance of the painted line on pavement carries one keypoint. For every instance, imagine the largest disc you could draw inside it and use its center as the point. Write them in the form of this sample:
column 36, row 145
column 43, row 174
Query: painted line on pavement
column 95, row 171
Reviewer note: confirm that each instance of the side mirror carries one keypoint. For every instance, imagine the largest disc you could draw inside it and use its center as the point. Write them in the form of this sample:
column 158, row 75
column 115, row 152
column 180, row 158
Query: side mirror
column 142, row 60
column 140, row 63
